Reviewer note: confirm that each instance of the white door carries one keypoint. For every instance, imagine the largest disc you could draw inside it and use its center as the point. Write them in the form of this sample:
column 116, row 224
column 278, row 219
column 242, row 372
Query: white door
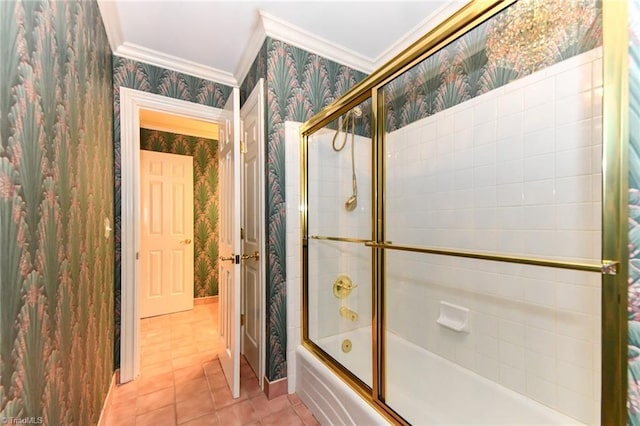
column 166, row 233
column 229, row 285
column 252, row 220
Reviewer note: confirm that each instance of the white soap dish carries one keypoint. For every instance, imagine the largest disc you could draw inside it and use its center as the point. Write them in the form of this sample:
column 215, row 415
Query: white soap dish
column 454, row 317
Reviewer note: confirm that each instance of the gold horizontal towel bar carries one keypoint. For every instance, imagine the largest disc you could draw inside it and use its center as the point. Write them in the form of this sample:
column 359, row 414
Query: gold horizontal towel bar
column 340, row 239
column 607, row 267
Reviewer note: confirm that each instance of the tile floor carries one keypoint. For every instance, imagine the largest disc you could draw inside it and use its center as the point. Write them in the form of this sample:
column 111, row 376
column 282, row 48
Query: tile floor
column 181, row 381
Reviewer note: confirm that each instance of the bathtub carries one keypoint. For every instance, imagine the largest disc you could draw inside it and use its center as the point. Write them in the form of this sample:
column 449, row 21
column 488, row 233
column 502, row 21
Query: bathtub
column 424, row 388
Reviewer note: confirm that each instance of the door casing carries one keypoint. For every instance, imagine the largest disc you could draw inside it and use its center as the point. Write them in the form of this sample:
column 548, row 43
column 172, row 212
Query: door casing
column 131, row 102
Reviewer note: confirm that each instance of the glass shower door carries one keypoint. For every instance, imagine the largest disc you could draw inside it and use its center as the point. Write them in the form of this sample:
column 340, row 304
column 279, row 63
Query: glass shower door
column 339, row 290
column 493, row 203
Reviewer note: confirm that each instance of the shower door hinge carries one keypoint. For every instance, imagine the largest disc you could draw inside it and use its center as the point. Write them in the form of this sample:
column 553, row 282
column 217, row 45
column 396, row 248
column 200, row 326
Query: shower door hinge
column 241, row 320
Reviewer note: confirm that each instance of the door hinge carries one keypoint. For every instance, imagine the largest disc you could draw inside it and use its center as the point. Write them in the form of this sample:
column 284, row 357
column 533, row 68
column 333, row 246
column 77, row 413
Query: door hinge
column 242, row 233
column 241, row 320
column 243, row 147
column 137, row 255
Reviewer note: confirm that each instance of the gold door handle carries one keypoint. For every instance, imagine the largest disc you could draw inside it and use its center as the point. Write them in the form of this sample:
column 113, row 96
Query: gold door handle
column 229, row 258
column 187, row 241
column 255, row 256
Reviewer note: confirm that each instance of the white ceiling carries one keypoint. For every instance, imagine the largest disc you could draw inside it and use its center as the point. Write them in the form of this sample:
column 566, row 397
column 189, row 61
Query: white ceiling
column 222, row 37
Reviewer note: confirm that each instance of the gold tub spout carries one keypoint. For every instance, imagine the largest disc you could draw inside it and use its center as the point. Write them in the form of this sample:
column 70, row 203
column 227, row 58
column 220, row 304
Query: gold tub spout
column 348, row 313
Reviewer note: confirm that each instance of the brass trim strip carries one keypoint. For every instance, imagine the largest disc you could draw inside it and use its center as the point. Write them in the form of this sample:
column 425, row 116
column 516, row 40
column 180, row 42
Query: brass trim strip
column 615, row 210
column 605, row 266
column 304, row 225
column 339, row 239
column 378, row 264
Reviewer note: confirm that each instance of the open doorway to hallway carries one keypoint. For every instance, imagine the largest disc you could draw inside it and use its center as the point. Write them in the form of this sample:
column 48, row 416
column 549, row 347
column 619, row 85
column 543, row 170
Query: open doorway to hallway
column 133, row 104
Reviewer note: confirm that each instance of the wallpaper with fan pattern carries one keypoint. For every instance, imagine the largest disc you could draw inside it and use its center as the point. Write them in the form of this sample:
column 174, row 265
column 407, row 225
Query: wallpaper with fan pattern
column 298, row 84
column 152, row 79
column 56, row 189
column 633, row 401
column 205, row 201
column 482, row 60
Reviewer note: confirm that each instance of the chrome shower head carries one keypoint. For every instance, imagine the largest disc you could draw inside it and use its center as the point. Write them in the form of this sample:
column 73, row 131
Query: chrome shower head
column 351, row 203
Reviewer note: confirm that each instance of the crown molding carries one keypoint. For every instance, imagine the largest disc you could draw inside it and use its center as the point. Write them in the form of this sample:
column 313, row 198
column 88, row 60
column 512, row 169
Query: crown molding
column 296, row 36
column 422, row 28
column 159, row 59
column 111, row 20
column 251, row 50
column 267, row 25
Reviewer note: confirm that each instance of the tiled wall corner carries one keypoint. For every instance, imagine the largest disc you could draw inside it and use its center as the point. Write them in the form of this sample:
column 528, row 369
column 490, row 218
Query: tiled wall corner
column 293, row 262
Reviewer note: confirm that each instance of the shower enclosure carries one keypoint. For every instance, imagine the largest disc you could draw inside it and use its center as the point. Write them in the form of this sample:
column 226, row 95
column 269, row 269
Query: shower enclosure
column 463, row 223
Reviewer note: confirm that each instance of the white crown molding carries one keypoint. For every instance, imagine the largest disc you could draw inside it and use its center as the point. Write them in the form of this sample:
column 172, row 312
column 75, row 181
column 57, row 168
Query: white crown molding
column 427, row 24
column 111, row 20
column 268, row 25
column 284, row 31
column 250, row 51
column 159, row 59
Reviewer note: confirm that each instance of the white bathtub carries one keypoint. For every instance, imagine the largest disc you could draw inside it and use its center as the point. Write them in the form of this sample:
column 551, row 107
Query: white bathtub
column 423, row 387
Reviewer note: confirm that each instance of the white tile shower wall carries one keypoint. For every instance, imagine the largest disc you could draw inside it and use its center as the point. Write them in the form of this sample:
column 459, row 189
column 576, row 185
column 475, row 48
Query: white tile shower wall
column 294, row 291
column 333, row 259
column 327, row 263
column 514, row 171
column 330, row 185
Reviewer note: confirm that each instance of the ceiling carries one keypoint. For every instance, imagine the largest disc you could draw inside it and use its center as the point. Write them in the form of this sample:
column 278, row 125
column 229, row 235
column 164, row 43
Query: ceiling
column 219, row 39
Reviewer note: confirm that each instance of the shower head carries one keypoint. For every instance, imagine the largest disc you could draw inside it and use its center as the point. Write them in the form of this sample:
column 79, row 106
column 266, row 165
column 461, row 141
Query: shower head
column 351, row 203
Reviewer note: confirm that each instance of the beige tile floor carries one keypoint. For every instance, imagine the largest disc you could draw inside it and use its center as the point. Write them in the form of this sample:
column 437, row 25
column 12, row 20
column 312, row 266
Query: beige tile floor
column 182, row 383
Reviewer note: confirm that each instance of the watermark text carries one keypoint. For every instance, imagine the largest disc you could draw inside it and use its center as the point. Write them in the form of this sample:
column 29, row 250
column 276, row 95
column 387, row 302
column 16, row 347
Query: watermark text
column 21, row 420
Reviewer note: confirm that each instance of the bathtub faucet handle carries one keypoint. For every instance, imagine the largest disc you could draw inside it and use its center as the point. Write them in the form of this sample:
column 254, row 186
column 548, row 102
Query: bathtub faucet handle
column 343, row 286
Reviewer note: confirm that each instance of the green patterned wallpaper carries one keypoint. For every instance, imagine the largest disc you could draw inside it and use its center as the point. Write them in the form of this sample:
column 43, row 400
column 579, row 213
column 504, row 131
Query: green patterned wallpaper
column 205, row 200
column 298, row 84
column 56, row 189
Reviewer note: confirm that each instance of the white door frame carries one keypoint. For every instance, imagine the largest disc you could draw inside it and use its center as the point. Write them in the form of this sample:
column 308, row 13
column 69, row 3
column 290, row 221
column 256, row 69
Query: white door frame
column 257, row 96
column 131, row 102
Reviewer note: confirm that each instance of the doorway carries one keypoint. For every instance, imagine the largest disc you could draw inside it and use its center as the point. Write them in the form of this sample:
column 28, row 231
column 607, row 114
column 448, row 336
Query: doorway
column 183, row 139
column 133, row 105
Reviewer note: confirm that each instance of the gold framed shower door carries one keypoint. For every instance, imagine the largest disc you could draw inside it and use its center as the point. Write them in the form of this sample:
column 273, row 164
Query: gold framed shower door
column 614, row 238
